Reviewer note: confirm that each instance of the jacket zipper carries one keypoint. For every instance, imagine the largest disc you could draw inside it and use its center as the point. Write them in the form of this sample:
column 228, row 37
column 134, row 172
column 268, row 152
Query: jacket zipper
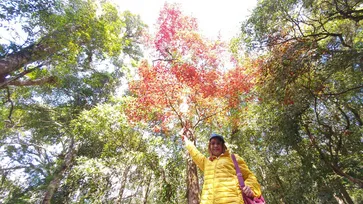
column 214, row 178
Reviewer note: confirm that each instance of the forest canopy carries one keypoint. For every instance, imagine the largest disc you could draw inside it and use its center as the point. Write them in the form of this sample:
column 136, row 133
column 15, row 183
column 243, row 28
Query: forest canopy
column 92, row 101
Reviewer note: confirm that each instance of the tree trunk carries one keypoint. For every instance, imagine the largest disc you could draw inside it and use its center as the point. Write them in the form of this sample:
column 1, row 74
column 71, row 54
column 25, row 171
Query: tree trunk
column 192, row 182
column 147, row 190
column 345, row 194
column 35, row 52
column 192, row 173
column 14, row 61
column 123, row 184
column 59, row 173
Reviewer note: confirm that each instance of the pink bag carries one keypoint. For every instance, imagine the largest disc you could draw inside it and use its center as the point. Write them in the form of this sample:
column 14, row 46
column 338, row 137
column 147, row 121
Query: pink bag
column 246, row 199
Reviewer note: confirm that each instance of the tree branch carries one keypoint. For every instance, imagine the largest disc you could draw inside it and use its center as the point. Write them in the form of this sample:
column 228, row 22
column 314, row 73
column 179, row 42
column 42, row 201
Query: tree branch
column 349, row 14
column 342, row 92
column 356, row 115
column 11, row 105
column 46, row 80
column 335, row 168
column 12, row 80
column 14, row 168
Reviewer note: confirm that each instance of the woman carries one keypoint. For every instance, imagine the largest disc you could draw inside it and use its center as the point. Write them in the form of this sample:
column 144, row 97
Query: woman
column 220, row 179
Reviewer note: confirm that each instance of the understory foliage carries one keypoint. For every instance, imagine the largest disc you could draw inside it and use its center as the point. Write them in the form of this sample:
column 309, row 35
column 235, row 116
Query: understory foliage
column 286, row 94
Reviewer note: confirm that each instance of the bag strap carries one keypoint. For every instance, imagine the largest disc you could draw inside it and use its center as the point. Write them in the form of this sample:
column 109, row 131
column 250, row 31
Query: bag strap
column 238, row 172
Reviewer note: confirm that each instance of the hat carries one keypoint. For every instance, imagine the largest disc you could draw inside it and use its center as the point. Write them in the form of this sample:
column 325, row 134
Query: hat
column 214, row 135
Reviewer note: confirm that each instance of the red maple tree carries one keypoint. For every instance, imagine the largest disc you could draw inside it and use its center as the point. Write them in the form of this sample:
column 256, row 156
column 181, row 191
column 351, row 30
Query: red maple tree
column 187, row 83
column 187, row 71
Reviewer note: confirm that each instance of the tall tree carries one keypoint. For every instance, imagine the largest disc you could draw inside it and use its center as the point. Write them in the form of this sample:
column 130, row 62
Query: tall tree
column 80, row 45
column 311, row 78
column 62, row 38
column 186, row 84
column 112, row 157
column 58, row 32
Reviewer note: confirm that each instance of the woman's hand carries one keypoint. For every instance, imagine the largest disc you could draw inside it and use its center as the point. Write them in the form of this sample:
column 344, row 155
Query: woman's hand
column 185, row 134
column 247, row 191
column 181, row 133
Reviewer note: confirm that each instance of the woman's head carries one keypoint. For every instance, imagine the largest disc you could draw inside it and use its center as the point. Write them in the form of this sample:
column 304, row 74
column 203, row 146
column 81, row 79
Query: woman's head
column 216, row 145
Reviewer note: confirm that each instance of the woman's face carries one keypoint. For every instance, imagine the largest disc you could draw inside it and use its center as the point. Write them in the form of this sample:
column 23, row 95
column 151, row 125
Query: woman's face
column 216, row 147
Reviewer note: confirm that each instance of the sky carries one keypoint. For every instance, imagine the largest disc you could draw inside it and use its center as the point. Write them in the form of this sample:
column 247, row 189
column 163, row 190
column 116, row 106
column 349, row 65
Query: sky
column 214, row 17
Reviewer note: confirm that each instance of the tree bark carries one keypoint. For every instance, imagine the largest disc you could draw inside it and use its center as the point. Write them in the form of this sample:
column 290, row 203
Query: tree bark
column 147, row 190
column 192, row 182
column 16, row 82
column 59, row 173
column 345, row 194
column 123, row 183
column 35, row 52
column 192, row 173
column 15, row 61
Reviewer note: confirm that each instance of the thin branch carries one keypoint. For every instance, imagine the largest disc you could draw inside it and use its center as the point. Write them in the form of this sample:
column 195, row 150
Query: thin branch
column 163, row 60
column 345, row 116
column 172, row 107
column 26, row 71
column 349, row 13
column 49, row 80
column 335, row 168
column 343, row 92
column 11, row 105
column 209, row 116
column 14, row 168
column 356, row 115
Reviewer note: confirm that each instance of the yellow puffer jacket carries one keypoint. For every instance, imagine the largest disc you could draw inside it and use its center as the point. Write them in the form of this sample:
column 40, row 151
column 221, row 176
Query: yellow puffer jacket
column 220, row 180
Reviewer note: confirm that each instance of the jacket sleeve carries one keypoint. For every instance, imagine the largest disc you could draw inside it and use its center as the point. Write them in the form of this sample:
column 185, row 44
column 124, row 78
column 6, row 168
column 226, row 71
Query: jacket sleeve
column 198, row 158
column 249, row 178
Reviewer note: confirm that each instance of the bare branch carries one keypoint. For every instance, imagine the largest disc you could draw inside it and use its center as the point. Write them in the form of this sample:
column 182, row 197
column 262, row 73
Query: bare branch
column 14, row 168
column 11, row 105
column 335, row 168
column 46, row 80
column 342, row 92
column 356, row 115
column 26, row 71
